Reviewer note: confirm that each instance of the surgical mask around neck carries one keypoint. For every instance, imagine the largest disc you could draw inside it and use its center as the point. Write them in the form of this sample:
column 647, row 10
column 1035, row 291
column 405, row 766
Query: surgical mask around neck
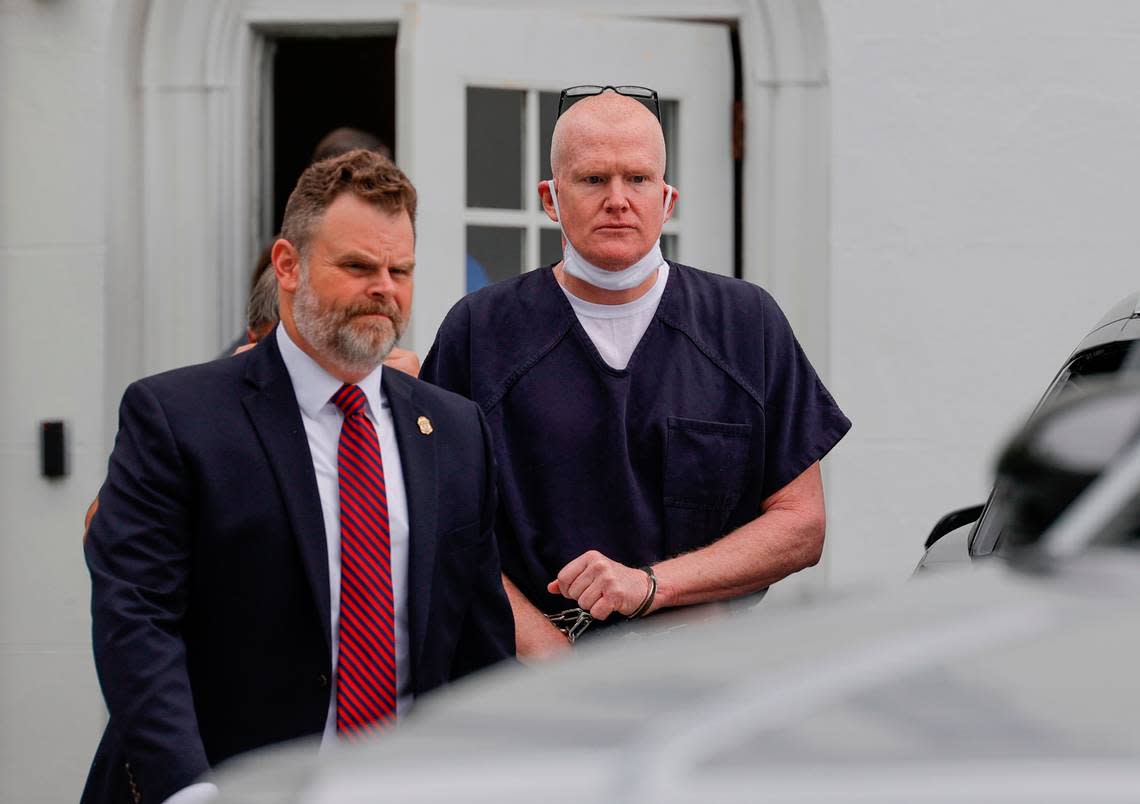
column 578, row 266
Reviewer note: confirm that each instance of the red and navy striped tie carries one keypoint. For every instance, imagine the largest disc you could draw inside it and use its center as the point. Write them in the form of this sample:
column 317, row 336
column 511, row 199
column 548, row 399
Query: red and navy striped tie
column 366, row 674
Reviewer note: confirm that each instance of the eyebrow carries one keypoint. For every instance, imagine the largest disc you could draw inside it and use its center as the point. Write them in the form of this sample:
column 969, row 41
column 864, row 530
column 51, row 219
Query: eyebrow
column 354, row 256
column 365, row 257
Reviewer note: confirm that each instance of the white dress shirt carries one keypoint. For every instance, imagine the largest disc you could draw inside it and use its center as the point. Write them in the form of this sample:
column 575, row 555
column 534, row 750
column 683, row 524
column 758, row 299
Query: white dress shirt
column 314, row 388
column 616, row 329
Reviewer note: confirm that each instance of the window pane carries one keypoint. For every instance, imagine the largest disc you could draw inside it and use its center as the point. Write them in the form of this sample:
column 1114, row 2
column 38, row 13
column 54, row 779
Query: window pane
column 494, row 253
column 495, row 153
column 669, row 124
column 549, row 246
column 669, row 246
column 547, row 109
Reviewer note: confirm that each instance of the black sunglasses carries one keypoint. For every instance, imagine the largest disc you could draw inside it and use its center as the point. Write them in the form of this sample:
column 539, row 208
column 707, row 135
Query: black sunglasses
column 644, row 95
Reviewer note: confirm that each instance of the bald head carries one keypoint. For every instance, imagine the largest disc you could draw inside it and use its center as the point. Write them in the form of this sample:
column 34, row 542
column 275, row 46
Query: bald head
column 602, row 119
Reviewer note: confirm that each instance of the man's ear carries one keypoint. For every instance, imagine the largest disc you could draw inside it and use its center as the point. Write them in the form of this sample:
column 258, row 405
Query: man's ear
column 547, row 200
column 286, row 264
column 670, row 201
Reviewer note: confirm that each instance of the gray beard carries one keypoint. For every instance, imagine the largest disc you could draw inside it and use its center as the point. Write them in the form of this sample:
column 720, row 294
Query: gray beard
column 336, row 333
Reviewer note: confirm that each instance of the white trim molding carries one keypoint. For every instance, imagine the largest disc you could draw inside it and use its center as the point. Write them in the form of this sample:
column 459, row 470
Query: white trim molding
column 787, row 174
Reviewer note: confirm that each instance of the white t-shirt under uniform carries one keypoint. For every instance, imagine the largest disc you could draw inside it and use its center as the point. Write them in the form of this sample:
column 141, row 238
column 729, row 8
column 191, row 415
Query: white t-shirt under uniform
column 616, row 329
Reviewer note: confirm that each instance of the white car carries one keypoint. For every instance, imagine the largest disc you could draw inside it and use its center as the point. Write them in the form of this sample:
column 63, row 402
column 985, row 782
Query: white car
column 983, row 684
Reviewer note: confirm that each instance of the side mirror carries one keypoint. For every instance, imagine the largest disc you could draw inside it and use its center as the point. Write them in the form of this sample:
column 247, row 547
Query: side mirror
column 952, row 521
column 1060, row 452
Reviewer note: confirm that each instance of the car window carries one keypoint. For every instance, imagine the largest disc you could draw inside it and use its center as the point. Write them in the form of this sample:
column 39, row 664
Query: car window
column 1075, row 378
column 1095, row 364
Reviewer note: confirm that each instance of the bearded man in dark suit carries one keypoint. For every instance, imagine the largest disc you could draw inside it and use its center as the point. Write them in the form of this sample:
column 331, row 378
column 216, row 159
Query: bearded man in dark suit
column 295, row 540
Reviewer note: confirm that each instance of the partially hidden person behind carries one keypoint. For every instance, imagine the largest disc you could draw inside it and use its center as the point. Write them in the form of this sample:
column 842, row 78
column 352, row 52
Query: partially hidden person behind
column 657, row 428
column 295, row 540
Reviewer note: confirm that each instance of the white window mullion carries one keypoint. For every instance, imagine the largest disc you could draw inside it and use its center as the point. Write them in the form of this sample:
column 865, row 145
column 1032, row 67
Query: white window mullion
column 479, row 216
column 531, row 173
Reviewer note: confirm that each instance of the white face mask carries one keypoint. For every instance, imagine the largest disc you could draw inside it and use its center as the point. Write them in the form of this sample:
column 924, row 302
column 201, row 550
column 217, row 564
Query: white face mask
column 577, row 265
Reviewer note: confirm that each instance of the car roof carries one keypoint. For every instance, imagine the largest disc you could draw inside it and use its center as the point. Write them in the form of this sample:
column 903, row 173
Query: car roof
column 1120, row 323
column 958, row 670
column 1125, row 308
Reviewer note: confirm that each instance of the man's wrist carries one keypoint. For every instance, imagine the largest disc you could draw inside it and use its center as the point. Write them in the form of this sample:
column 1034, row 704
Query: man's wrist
column 650, row 593
column 664, row 596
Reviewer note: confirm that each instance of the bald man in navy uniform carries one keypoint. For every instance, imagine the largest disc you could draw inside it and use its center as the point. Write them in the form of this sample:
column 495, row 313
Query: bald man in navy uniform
column 657, row 428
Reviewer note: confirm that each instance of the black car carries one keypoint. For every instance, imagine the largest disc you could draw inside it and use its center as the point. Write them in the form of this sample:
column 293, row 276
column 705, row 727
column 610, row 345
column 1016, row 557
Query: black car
column 978, row 531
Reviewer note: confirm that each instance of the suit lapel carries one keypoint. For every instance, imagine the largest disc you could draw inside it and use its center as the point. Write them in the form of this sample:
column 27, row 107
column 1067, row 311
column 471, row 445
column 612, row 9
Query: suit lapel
column 277, row 419
column 418, row 460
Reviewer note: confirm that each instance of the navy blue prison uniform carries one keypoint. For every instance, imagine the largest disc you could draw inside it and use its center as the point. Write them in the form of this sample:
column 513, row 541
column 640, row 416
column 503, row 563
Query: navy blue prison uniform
column 718, row 409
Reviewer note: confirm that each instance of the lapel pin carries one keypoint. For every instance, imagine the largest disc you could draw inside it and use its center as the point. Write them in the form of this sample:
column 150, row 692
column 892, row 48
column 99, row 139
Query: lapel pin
column 425, row 425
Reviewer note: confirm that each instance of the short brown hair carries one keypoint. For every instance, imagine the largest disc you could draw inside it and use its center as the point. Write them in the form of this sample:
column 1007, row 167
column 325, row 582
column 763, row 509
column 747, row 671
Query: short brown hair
column 366, row 174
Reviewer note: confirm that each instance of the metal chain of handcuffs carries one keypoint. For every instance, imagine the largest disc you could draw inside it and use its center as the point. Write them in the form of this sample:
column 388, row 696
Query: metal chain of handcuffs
column 574, row 622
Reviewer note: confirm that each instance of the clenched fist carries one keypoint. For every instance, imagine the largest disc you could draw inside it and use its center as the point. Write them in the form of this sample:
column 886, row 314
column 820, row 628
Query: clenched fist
column 601, row 586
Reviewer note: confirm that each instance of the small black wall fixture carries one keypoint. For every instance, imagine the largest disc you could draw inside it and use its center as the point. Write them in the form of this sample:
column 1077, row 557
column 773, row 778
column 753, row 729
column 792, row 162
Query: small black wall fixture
column 53, row 449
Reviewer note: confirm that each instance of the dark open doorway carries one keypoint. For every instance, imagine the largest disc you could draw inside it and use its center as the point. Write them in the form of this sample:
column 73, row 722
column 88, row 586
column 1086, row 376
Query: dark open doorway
column 323, row 83
column 737, row 157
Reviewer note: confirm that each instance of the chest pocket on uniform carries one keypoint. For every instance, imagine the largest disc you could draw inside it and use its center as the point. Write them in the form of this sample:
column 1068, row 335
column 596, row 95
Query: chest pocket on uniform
column 705, row 468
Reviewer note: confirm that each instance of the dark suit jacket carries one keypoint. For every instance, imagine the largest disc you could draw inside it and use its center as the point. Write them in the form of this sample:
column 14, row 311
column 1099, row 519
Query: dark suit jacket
column 209, row 570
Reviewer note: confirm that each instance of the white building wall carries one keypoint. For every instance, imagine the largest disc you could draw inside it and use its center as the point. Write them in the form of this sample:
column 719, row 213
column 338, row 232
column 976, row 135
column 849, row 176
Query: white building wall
column 986, row 181
column 984, row 166
column 52, row 240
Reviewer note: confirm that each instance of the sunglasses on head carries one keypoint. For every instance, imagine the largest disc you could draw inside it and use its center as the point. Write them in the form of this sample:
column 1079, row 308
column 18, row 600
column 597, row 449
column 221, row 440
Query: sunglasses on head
column 644, row 95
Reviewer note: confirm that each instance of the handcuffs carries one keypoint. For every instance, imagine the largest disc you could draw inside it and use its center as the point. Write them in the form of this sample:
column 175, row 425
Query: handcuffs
column 574, row 622
column 571, row 622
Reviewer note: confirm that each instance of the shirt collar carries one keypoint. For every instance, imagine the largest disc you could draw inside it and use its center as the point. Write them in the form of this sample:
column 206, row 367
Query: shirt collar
column 314, row 387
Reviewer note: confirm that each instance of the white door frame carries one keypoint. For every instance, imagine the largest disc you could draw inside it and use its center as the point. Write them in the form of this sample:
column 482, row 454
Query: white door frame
column 181, row 216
